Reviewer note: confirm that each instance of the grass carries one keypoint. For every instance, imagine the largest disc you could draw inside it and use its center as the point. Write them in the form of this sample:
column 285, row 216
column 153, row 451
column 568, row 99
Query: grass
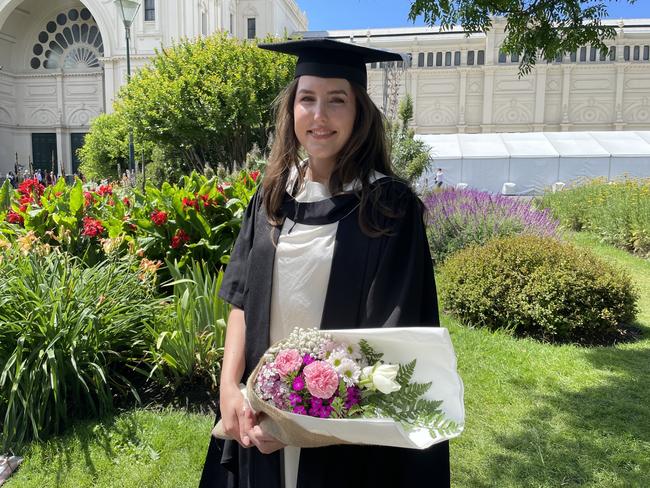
column 537, row 415
column 547, row 416
column 139, row 449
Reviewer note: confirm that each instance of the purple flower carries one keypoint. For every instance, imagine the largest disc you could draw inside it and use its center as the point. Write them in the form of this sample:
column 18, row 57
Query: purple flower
column 294, row 399
column 353, row 397
column 300, row 410
column 307, row 359
column 316, row 406
column 298, row 383
column 325, row 411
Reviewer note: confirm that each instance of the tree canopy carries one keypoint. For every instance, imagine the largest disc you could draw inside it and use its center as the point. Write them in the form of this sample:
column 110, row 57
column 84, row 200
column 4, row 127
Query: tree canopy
column 535, row 29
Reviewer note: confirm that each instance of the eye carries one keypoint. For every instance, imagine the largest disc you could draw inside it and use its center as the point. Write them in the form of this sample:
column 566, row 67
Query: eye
column 307, row 98
column 338, row 100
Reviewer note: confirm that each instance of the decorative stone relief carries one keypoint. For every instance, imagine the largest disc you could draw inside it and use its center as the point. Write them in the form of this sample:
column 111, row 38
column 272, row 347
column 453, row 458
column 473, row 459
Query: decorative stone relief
column 81, row 116
column 524, row 85
column 5, row 116
column 41, row 90
column 638, row 112
column 513, row 113
column 75, row 90
column 591, row 84
column 43, row 116
column 435, row 113
column 475, row 87
column 591, row 112
column 552, row 86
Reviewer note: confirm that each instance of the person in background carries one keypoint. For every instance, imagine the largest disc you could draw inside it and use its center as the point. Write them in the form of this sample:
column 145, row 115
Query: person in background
column 439, row 178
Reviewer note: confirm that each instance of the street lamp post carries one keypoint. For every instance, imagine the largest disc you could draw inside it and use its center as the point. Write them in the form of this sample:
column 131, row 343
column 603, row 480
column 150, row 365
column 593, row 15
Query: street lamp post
column 128, row 9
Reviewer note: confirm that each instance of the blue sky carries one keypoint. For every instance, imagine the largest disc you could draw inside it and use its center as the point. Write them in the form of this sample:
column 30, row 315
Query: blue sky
column 362, row 14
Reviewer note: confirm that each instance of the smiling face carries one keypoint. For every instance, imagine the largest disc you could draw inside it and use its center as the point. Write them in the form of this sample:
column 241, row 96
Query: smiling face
column 324, row 111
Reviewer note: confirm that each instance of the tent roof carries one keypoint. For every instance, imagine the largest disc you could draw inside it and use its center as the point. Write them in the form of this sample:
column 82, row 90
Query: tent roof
column 599, row 144
column 528, row 145
column 623, row 143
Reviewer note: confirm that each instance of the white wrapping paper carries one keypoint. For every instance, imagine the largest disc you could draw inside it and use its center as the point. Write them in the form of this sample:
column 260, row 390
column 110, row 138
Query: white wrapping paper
column 436, row 363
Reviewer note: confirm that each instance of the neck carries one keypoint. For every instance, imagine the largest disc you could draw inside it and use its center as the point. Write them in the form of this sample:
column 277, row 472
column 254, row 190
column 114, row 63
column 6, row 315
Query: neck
column 320, row 170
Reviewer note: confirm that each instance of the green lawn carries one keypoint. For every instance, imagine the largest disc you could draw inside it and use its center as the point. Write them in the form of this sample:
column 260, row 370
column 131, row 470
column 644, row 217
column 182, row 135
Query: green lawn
column 537, row 416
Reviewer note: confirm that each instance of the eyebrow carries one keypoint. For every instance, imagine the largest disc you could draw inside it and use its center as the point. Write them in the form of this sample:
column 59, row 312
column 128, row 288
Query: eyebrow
column 332, row 92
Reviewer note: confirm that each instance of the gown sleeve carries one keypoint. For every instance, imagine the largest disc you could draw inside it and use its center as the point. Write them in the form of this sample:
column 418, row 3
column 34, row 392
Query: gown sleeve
column 233, row 287
column 403, row 289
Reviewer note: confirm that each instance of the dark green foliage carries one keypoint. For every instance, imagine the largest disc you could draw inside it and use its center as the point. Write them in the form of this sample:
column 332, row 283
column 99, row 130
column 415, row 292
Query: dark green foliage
column 371, row 355
column 409, row 156
column 538, row 287
column 538, row 29
column 68, row 334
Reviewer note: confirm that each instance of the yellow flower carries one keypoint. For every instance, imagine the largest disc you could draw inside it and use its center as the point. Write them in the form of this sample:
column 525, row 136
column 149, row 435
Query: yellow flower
column 27, row 241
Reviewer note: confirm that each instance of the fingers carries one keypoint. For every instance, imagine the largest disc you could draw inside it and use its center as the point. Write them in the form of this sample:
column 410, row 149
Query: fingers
column 263, row 441
column 246, row 423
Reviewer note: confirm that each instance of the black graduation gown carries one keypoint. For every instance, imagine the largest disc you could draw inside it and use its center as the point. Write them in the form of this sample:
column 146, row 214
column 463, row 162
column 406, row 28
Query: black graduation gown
column 384, row 281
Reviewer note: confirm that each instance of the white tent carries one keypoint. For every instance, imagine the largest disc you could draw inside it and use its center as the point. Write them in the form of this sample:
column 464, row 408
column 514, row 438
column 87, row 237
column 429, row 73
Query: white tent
column 580, row 156
column 529, row 163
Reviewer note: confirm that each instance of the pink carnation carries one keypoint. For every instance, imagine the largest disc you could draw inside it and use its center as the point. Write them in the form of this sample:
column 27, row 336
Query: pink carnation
column 288, row 361
column 321, row 378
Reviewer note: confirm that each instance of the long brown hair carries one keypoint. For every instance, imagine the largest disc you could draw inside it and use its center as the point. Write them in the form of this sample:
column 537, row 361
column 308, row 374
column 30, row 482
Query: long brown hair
column 365, row 151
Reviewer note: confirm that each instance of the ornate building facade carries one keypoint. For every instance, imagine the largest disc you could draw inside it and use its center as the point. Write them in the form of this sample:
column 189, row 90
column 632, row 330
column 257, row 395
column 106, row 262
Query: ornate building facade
column 62, row 62
column 464, row 84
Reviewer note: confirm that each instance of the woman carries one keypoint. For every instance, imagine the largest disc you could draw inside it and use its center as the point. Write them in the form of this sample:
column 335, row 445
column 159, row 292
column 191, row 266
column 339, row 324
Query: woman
column 333, row 241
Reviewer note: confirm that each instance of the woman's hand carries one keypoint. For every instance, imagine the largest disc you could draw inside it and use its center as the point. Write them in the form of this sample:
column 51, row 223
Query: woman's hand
column 263, row 441
column 235, row 422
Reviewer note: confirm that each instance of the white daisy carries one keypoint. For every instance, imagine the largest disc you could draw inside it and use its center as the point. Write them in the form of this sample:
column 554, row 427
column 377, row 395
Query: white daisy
column 349, row 371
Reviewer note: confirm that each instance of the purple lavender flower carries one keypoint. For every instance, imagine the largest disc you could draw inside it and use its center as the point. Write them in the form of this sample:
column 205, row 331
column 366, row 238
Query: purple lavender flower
column 298, row 383
column 458, row 218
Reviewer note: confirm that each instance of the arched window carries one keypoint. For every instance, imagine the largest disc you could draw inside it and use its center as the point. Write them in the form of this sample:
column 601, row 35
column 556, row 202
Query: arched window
column 70, row 41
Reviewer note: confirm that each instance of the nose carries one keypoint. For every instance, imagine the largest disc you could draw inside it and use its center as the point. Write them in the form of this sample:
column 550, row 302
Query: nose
column 320, row 110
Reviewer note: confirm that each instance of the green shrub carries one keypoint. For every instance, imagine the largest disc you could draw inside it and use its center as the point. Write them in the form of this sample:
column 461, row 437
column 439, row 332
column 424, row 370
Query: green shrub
column 68, row 334
column 617, row 211
column 188, row 345
column 538, row 287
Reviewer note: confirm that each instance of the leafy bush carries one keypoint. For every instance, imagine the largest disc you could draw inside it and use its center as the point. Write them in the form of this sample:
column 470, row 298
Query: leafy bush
column 207, row 100
column 459, row 218
column 618, row 211
column 67, row 335
column 538, row 287
column 198, row 218
column 188, row 345
column 409, row 156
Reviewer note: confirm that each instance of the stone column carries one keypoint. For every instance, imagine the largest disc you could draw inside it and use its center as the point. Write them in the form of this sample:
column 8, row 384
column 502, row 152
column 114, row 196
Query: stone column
column 488, row 93
column 619, row 123
column 565, row 124
column 462, row 97
column 540, row 98
column 414, row 96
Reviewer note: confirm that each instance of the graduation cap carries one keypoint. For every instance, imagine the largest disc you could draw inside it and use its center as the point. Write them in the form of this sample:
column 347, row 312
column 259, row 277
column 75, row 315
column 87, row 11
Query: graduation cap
column 328, row 58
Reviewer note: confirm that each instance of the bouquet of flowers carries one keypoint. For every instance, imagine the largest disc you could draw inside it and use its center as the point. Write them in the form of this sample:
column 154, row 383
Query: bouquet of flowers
column 359, row 386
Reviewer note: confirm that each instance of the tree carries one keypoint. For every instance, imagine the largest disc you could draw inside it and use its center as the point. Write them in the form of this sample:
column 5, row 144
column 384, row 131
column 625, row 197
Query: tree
column 535, row 29
column 105, row 146
column 207, row 101
column 410, row 157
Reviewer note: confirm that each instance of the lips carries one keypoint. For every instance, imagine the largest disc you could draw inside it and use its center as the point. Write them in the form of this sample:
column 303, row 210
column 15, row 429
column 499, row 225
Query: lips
column 321, row 133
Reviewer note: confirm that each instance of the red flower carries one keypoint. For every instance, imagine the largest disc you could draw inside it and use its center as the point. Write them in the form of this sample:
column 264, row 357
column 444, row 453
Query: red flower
column 90, row 199
column 254, row 175
column 126, row 201
column 159, row 217
column 58, row 194
column 28, row 187
column 206, row 200
column 14, row 218
column 188, row 202
column 220, row 190
column 92, row 227
column 179, row 239
column 104, row 190
column 26, row 199
column 23, row 208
